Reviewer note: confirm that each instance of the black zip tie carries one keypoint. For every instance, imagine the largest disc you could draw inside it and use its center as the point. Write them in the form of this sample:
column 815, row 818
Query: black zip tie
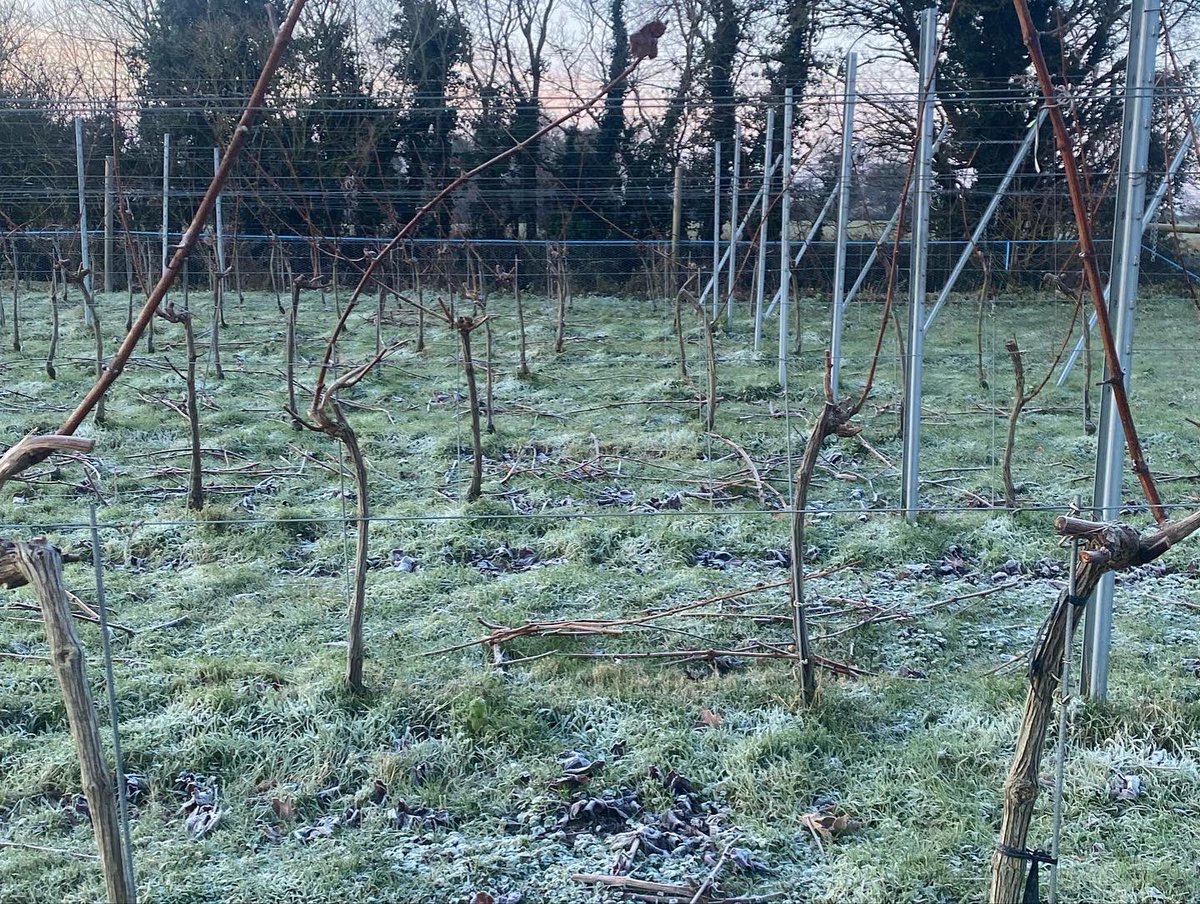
column 1034, row 856
column 1077, row 601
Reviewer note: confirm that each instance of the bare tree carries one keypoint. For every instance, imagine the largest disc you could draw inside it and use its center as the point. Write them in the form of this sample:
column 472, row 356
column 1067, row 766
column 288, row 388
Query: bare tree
column 515, row 34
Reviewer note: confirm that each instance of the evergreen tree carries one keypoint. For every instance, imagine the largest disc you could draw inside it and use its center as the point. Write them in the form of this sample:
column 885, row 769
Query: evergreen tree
column 197, row 63
column 608, row 158
column 429, row 41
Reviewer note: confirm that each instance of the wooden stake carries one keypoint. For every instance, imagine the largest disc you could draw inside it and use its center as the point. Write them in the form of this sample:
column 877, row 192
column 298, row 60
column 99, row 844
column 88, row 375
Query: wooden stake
column 51, row 372
column 707, row 326
column 195, row 498
column 465, row 325
column 41, row 565
column 562, row 292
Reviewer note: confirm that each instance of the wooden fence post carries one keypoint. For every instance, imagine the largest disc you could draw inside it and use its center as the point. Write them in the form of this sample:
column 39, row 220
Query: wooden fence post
column 41, row 565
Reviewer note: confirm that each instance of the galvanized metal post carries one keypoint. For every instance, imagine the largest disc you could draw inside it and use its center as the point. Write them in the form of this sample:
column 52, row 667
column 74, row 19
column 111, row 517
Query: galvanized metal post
column 1151, row 211
column 989, row 212
column 676, row 227
column 734, row 185
column 814, row 230
column 886, row 235
column 785, row 228
column 1126, row 258
column 109, row 190
column 85, row 254
column 716, row 226
column 843, row 221
column 166, row 197
column 760, row 276
column 918, row 258
column 220, row 224
column 727, row 257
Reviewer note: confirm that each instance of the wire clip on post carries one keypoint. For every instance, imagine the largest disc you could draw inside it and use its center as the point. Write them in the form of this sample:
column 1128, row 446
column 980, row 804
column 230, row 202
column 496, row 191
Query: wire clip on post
column 1034, row 857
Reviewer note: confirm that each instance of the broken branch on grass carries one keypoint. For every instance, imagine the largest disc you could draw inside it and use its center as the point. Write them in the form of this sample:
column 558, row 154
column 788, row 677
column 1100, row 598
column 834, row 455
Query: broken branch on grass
column 586, row 626
column 662, row 891
column 48, row 850
column 958, row 598
column 745, row 457
column 709, row 885
column 31, row 450
column 86, row 615
column 759, row 651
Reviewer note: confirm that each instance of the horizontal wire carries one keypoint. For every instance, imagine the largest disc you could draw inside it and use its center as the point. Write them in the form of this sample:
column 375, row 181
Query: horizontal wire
column 1064, row 506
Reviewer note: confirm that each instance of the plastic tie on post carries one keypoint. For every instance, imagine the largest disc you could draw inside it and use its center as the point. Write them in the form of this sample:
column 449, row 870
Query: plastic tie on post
column 1034, row 856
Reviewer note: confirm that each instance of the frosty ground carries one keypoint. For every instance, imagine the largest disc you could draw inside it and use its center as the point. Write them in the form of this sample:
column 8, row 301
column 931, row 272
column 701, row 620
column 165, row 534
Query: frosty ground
column 603, row 498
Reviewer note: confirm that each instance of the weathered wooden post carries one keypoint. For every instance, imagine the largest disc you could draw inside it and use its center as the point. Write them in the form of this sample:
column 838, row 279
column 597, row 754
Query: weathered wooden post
column 40, row 564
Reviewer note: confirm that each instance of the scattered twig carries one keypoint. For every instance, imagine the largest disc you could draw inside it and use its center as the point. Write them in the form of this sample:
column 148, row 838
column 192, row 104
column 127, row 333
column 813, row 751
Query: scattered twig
column 587, row 626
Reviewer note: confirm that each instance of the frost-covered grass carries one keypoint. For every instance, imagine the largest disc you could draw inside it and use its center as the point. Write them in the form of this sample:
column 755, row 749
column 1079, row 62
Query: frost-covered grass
column 246, row 688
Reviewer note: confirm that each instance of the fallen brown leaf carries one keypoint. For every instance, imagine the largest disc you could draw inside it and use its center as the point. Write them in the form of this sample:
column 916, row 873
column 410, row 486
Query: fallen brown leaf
column 827, row 825
column 284, row 808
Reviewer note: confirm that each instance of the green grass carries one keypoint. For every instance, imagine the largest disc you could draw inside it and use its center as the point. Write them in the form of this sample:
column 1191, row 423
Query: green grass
column 248, row 688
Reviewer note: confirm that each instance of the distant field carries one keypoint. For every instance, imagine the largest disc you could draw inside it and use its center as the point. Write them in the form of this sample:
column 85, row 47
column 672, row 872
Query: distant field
column 603, row 498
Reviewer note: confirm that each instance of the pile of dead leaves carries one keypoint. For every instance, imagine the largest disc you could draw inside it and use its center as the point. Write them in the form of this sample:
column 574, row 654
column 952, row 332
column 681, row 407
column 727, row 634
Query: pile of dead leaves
column 418, row 818
column 503, row 559
column 324, row 827
column 201, row 808
column 351, row 812
column 689, row 827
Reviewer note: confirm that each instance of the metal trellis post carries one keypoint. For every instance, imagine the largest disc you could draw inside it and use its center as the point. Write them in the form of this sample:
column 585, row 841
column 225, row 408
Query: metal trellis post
column 989, row 212
column 785, row 228
column 843, row 221
column 1151, row 211
column 885, row 236
column 220, row 227
column 734, row 187
column 727, row 258
column 716, row 235
column 85, row 256
column 1127, row 248
column 918, row 259
column 109, row 190
column 166, row 197
column 814, row 230
column 760, row 278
